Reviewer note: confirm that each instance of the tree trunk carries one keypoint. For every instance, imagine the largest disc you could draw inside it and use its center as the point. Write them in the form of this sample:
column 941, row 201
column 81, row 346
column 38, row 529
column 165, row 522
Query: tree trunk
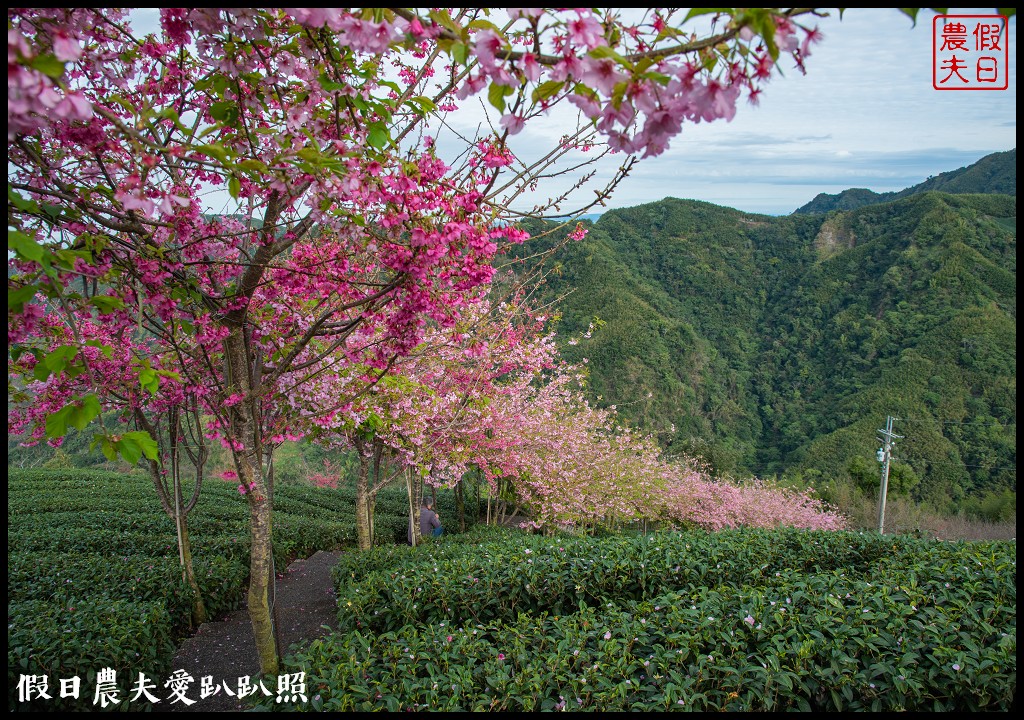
column 364, row 536
column 185, row 556
column 414, row 526
column 260, row 569
column 248, row 459
column 460, row 505
column 371, row 506
column 175, row 509
column 272, row 576
column 181, row 528
column 476, row 494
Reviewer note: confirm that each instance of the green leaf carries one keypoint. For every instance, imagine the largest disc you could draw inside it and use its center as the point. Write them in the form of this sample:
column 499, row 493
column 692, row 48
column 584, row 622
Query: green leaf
column 109, row 451
column 17, row 298
column 169, row 113
column 149, row 381
column 234, row 186
column 442, row 18
column 169, row 374
column 83, row 415
column 21, row 203
column 485, row 25
column 392, row 85
column 762, row 22
column 310, row 153
column 220, row 83
column 129, row 450
column 696, row 12
column 496, row 95
column 377, row 135
column 330, row 85
column 460, row 53
column 226, row 110
column 105, row 349
column 133, row 445
column 57, row 423
column 252, row 165
column 619, row 93
column 54, row 211
column 40, row 372
column 603, row 51
column 57, row 360
column 546, row 89
column 24, row 246
column 47, row 65
column 426, row 104
column 74, row 371
column 837, row 699
column 106, row 304
column 912, row 13
column 217, row 152
column 585, row 91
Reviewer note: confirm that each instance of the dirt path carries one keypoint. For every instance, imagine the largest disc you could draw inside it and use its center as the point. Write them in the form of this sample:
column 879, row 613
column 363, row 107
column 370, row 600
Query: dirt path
column 226, row 650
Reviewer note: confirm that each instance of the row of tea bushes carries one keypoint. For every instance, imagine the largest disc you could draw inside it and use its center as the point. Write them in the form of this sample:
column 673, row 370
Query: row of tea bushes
column 93, row 573
column 495, row 581
column 740, row 620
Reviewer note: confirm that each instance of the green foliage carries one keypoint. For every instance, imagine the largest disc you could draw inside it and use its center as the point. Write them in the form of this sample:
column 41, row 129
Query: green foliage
column 79, row 638
column 93, row 573
column 737, row 621
column 60, row 461
column 499, row 620
column 998, row 506
column 777, row 346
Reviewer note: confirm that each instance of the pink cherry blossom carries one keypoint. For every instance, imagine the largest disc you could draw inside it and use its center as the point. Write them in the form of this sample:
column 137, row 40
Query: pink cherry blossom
column 339, row 256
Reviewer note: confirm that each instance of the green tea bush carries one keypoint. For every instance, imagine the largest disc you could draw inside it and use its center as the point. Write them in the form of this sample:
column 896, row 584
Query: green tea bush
column 495, row 580
column 830, row 644
column 100, row 543
column 739, row 620
column 64, row 641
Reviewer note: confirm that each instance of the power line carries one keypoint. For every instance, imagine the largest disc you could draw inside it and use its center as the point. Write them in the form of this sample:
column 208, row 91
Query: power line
column 942, row 464
column 961, row 422
column 763, row 472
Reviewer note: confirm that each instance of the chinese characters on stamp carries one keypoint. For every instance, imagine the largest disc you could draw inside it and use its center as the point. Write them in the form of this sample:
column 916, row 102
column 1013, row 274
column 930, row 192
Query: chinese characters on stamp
column 970, row 52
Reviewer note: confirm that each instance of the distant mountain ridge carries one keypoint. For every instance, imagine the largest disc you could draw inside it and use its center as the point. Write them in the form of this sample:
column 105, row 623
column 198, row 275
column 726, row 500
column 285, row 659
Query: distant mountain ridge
column 992, row 174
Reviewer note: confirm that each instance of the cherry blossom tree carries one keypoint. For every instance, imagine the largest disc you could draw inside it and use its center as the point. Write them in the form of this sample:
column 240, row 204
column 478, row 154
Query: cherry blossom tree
column 269, row 184
column 429, row 413
column 570, row 465
column 123, row 376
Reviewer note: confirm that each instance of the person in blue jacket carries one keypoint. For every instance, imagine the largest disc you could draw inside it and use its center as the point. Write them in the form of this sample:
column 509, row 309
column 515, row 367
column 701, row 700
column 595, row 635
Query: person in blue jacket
column 430, row 521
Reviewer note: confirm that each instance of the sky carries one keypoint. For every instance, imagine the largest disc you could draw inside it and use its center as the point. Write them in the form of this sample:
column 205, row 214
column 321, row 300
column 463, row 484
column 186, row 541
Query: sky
column 864, row 116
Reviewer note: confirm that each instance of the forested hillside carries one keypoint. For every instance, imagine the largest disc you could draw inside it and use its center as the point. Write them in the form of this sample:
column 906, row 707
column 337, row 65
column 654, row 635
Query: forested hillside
column 778, row 346
column 995, row 173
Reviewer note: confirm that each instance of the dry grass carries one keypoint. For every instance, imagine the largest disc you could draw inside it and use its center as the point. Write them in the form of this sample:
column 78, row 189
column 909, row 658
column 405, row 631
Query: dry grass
column 905, row 518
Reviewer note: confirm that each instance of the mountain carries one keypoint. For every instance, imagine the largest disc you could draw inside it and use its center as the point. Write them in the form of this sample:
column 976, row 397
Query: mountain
column 993, row 174
column 777, row 346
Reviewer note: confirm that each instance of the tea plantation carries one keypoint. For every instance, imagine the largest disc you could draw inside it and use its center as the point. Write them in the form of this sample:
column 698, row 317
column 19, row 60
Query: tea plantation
column 497, row 619
column 738, row 620
column 93, row 578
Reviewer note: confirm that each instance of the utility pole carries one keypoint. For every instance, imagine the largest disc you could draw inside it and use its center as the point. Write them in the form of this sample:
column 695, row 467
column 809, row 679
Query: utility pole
column 885, row 456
